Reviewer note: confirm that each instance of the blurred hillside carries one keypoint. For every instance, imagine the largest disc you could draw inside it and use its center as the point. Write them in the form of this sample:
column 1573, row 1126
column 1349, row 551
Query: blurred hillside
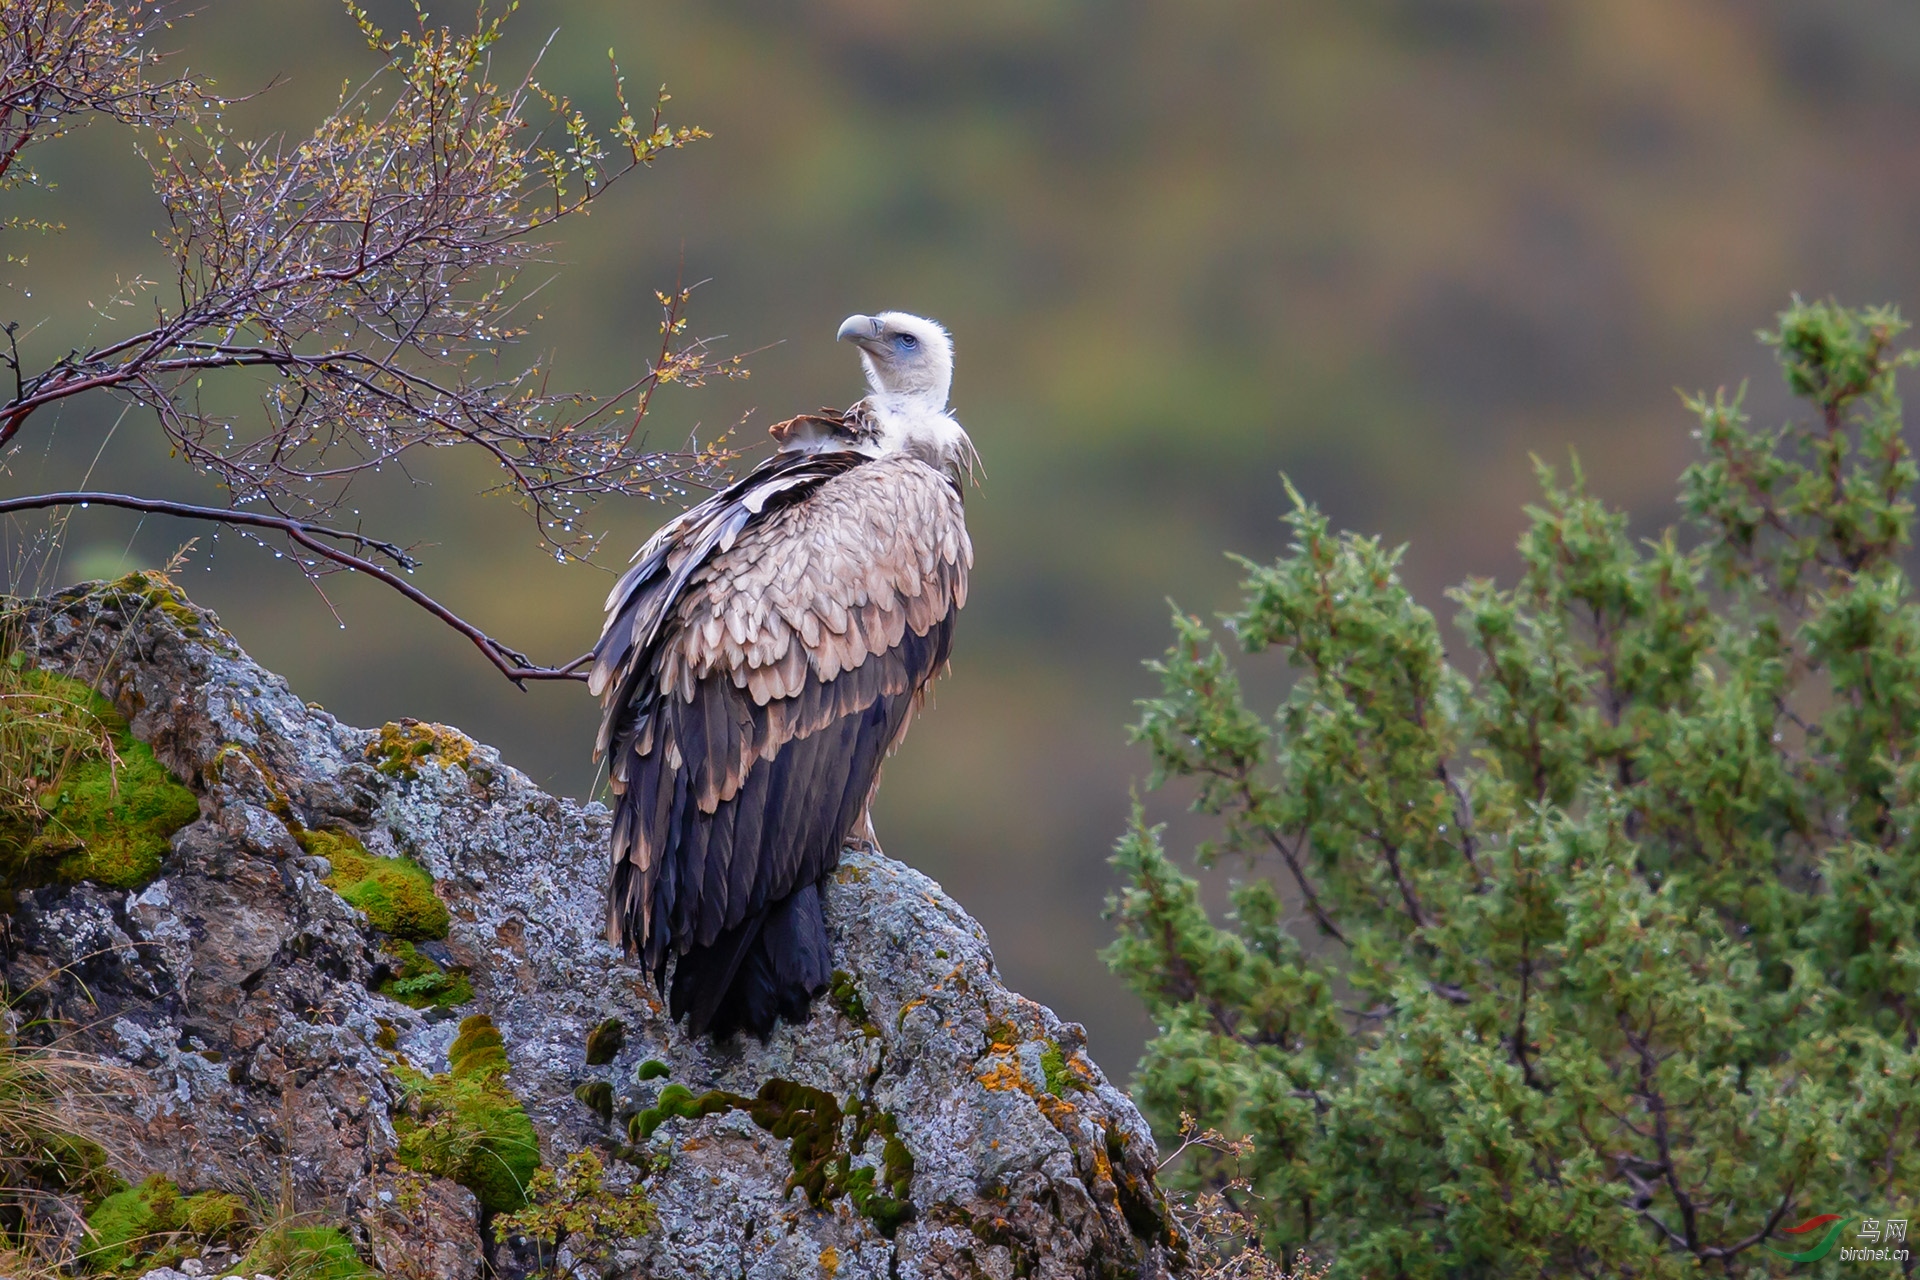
column 1388, row 247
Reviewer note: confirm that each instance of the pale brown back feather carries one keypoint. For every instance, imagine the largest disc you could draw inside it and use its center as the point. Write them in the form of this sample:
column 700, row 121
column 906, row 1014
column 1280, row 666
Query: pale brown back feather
column 800, row 606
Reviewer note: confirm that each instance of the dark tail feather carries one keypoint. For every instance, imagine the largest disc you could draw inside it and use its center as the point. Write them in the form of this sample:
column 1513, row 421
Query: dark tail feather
column 767, row 968
column 790, row 966
column 704, row 975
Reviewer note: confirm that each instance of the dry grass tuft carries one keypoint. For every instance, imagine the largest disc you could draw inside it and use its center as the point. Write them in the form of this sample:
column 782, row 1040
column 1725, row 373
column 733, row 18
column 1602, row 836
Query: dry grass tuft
column 51, row 1162
column 1222, row 1225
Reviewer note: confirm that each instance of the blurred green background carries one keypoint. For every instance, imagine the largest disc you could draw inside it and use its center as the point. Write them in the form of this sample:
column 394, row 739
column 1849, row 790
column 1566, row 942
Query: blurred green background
column 1389, row 247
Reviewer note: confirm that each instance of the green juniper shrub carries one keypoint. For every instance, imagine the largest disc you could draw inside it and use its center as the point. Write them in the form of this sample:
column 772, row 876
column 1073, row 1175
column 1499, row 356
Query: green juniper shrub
column 1607, row 958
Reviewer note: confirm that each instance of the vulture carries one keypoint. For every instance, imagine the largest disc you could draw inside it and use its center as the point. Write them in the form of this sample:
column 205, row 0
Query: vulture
column 760, row 659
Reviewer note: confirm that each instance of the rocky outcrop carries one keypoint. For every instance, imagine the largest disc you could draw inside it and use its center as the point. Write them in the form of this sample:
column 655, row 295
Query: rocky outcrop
column 287, row 1044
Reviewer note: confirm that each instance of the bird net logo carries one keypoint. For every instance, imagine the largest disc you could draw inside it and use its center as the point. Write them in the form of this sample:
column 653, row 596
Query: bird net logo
column 1875, row 1239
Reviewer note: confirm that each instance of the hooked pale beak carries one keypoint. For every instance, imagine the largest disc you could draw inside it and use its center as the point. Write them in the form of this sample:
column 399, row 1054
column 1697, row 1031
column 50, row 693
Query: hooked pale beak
column 860, row 329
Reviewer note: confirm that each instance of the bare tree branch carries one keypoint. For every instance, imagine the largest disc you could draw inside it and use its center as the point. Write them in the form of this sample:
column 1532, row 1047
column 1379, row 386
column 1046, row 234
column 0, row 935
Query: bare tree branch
column 371, row 271
column 516, row 666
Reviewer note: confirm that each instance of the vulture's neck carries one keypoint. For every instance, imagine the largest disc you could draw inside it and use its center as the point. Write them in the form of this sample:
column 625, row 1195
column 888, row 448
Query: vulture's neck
column 921, row 426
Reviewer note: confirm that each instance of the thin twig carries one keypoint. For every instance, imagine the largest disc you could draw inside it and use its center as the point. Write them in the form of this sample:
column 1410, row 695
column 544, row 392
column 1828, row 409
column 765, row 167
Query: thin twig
column 513, row 664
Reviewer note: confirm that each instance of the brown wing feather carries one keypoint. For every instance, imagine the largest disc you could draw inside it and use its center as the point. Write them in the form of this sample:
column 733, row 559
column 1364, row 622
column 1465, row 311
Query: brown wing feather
column 755, row 678
column 860, row 556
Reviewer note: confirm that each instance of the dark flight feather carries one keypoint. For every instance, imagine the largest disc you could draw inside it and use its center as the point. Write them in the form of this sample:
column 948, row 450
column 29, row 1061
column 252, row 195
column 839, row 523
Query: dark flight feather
column 762, row 656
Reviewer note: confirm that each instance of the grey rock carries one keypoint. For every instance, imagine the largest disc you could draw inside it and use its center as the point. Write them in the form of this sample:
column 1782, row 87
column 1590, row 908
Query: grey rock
column 424, row 1228
column 237, row 985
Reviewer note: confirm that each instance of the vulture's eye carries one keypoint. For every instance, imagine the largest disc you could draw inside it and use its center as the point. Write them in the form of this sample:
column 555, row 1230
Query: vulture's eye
column 907, row 341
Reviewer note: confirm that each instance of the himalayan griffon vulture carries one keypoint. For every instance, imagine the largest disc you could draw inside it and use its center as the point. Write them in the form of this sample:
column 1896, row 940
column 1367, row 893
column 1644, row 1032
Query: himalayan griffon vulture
column 760, row 659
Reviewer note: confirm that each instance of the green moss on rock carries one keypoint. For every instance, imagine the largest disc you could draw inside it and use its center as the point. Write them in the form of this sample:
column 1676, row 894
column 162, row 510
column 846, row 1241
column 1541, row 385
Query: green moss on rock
column 887, row 1212
column 396, row 893
column 811, row 1121
column 478, row 1050
column 883, row 1198
column 153, row 1225
column 306, row 1253
column 153, row 591
column 465, row 1124
column 131, row 1224
column 652, row 1069
column 106, row 808
column 399, row 749
column 214, row 1215
column 846, row 998
column 605, row 1041
column 597, row 1095
column 418, row 982
column 123, row 818
column 676, row 1101
column 1060, row 1077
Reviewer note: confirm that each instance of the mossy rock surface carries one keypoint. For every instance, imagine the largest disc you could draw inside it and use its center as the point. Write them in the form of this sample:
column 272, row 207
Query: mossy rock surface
column 401, row 748
column 107, row 808
column 396, row 893
column 419, row 982
column 810, row 1120
column 153, row 1225
column 605, row 1042
column 214, row 1215
column 598, row 1097
column 465, row 1125
column 532, row 932
column 156, row 591
column 306, row 1253
column 1061, row 1079
column 477, row 1052
column 846, row 997
column 128, row 1224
